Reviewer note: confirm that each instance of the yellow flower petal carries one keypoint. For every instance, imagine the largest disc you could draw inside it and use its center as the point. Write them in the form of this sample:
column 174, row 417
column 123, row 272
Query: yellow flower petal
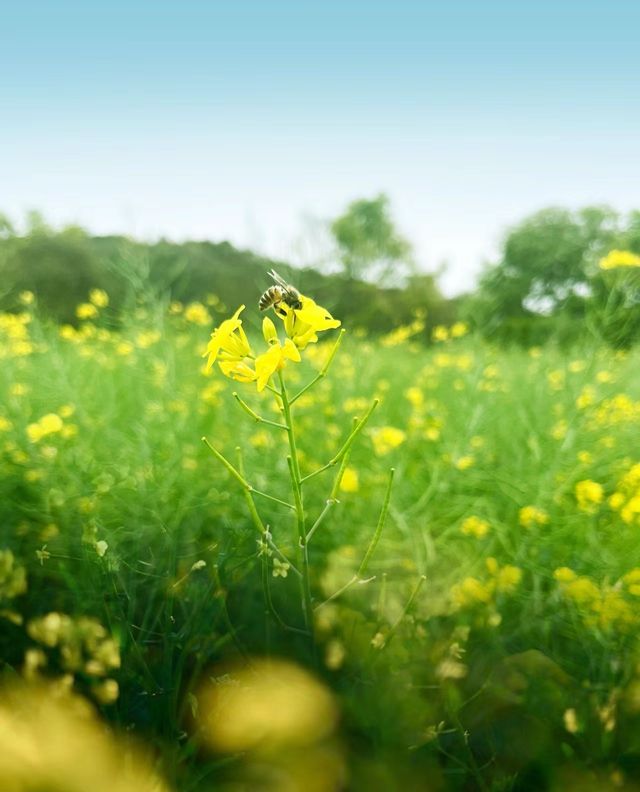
column 315, row 315
column 221, row 337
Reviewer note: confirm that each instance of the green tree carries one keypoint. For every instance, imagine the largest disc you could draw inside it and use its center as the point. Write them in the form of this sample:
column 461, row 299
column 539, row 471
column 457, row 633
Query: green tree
column 546, row 268
column 369, row 244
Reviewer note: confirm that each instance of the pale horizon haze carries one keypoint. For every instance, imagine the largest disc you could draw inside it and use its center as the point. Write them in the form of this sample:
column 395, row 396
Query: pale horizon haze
column 253, row 121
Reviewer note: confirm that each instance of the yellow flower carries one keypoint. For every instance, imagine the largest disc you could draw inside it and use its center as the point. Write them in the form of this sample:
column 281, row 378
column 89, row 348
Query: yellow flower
column 582, row 590
column 48, row 424
column 52, row 739
column 303, row 324
column 619, row 258
column 196, row 313
column 530, row 516
column 508, row 578
column 440, row 333
column 349, row 482
column 86, row 311
column 474, row 526
column 99, row 298
column 564, row 575
column 275, row 359
column 470, row 591
column 459, row 329
column 229, row 345
column 386, row 438
column 464, row 462
column 588, row 494
column 616, row 500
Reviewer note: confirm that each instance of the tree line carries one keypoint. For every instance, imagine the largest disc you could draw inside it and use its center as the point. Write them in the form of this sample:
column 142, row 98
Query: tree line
column 546, row 283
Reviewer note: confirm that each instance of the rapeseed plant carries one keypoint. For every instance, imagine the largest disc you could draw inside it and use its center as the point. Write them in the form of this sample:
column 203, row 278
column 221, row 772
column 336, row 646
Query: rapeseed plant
column 302, row 320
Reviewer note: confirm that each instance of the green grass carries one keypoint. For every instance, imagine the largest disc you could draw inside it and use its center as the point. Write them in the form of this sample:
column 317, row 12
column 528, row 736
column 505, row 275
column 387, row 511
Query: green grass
column 436, row 695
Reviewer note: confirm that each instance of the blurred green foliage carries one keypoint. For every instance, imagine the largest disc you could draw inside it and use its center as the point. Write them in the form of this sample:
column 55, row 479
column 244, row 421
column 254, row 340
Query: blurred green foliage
column 369, row 244
column 61, row 267
column 547, row 282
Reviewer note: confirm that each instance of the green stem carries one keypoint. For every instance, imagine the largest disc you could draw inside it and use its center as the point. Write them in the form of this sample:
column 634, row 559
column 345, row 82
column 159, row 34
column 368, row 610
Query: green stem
column 355, row 579
column 239, row 477
column 346, row 445
column 323, row 371
column 266, row 537
column 381, row 521
column 262, row 529
column 271, row 498
column 296, row 486
column 257, row 418
column 332, row 500
column 327, row 508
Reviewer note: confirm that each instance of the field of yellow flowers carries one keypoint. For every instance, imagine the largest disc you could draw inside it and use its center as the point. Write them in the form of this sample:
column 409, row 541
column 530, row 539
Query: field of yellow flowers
column 388, row 566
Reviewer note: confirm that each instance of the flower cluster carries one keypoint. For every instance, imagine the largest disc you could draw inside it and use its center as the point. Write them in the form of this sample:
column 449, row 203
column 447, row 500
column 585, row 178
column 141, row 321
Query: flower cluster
column 589, row 494
column 472, row 591
column 230, row 347
column 603, row 606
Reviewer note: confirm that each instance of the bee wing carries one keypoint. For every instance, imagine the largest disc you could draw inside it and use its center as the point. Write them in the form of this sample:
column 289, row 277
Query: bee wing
column 280, row 281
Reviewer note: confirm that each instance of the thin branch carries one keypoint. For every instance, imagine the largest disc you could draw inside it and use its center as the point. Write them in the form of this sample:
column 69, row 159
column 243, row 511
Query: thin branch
column 238, row 476
column 355, row 579
column 327, row 508
column 323, row 371
column 241, row 479
column 271, row 498
column 347, row 444
column 257, row 418
column 381, row 521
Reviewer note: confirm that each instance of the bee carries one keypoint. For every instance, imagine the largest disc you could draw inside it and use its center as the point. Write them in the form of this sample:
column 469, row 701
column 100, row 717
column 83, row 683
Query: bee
column 281, row 292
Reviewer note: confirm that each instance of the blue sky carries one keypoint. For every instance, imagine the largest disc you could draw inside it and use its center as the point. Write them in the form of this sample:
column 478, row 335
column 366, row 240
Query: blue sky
column 252, row 120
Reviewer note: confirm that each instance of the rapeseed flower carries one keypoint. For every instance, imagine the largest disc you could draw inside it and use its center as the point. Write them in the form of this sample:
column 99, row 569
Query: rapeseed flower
column 99, row 298
column 459, row 329
column 531, row 516
column 48, row 424
column 386, row 438
column 196, row 313
column 275, row 358
column 302, row 325
column 86, row 311
column 229, row 346
column 589, row 494
column 440, row 333
column 349, row 481
column 475, row 526
column 619, row 258
column 52, row 739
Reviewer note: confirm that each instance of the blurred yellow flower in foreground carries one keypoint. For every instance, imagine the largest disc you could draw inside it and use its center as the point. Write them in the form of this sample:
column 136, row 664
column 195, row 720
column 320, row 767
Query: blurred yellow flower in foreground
column 54, row 741
column 619, row 258
column 266, row 705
